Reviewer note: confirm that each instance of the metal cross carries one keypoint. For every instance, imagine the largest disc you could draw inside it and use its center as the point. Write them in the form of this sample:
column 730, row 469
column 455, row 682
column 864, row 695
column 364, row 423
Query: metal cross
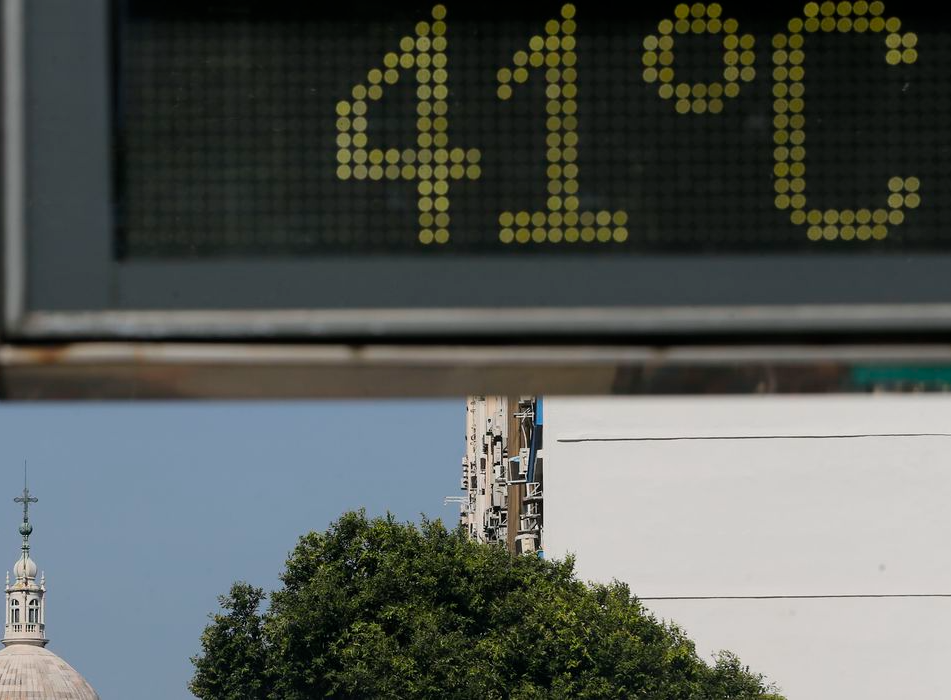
column 26, row 499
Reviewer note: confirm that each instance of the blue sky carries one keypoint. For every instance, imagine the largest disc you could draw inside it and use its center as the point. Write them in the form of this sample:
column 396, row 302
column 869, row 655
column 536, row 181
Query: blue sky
column 148, row 512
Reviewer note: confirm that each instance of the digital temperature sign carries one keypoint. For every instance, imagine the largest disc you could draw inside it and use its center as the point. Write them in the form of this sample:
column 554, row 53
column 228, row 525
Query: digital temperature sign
column 443, row 170
column 253, row 128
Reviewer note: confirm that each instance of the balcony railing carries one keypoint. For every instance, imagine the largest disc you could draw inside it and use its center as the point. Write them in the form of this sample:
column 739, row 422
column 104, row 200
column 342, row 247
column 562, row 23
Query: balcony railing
column 26, row 627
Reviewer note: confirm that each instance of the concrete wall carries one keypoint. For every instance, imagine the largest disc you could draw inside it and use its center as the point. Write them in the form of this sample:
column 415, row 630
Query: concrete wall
column 805, row 503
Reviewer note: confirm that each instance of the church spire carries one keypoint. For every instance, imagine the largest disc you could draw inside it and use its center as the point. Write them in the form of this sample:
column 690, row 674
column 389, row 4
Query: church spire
column 26, row 600
column 25, row 528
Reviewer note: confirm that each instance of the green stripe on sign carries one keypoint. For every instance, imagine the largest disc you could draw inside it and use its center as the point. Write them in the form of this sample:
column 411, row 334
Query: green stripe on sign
column 940, row 374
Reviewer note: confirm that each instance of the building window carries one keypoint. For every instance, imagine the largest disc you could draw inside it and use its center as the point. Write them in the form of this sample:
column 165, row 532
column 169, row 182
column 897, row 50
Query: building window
column 15, row 611
column 34, row 612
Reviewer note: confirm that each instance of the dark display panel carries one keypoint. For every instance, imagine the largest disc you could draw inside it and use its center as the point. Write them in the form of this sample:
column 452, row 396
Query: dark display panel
column 267, row 128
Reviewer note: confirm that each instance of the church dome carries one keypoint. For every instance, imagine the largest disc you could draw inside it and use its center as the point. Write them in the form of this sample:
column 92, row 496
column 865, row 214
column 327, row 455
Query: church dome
column 25, row 570
column 29, row 672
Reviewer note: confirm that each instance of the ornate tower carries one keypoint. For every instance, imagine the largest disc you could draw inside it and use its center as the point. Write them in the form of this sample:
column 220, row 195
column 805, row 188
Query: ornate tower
column 27, row 668
column 26, row 599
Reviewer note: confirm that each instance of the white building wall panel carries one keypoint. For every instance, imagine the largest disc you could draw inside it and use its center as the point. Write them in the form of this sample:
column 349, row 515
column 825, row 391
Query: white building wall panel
column 735, row 500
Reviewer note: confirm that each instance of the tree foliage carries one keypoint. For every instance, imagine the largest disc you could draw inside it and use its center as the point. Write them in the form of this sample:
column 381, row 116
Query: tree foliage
column 234, row 666
column 374, row 608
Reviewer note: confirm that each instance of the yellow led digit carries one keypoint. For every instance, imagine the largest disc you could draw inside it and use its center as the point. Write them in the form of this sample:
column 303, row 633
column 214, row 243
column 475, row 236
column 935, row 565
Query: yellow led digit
column 789, row 122
column 432, row 164
column 697, row 98
column 562, row 220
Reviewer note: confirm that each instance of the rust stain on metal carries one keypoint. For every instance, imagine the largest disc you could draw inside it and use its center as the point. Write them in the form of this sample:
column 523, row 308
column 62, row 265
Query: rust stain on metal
column 104, row 370
column 45, row 355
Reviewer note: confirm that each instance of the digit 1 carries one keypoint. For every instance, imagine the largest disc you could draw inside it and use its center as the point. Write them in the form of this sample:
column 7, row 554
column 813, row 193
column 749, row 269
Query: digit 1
column 789, row 122
column 561, row 221
column 432, row 165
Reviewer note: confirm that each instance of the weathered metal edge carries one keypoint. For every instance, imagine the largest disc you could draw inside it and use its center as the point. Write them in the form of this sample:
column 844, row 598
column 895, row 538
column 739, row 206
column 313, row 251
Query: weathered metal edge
column 305, row 371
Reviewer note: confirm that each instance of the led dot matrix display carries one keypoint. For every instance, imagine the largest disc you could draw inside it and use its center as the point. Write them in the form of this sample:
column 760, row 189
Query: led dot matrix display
column 432, row 164
column 250, row 128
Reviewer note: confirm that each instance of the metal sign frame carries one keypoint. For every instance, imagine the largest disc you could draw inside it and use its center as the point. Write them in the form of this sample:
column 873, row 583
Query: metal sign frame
column 655, row 348
column 826, row 297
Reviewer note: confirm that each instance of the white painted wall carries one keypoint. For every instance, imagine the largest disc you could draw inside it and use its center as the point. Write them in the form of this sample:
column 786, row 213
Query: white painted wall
column 782, row 507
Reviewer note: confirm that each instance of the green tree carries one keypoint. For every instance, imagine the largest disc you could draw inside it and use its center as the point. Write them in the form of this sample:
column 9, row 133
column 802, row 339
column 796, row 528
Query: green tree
column 234, row 664
column 374, row 608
